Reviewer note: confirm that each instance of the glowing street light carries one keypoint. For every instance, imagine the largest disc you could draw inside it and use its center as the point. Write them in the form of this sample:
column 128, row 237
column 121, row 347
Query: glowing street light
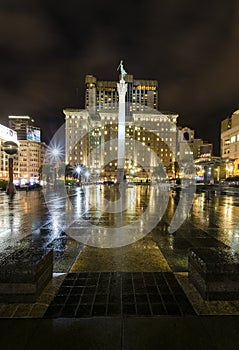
column 55, row 154
column 87, row 175
column 78, row 171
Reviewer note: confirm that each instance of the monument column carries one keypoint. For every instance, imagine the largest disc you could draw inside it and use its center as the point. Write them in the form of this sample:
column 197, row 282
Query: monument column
column 122, row 89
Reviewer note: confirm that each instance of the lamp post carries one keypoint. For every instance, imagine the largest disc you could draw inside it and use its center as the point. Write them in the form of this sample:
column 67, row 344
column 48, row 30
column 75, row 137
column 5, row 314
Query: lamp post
column 97, row 175
column 10, row 148
column 78, row 171
column 55, row 153
column 87, row 175
column 131, row 175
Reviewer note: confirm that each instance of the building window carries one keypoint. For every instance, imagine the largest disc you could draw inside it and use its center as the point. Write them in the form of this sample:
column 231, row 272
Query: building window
column 227, row 142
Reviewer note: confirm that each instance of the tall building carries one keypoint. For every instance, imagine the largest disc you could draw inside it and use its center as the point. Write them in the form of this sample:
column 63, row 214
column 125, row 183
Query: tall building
column 230, row 142
column 150, row 139
column 30, row 158
column 24, row 126
column 103, row 95
column 31, row 150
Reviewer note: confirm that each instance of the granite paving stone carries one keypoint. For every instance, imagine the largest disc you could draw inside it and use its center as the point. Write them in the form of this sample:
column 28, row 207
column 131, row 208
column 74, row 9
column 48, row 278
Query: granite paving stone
column 138, row 302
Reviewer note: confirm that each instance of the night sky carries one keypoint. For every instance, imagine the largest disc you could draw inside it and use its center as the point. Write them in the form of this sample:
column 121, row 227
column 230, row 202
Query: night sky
column 191, row 47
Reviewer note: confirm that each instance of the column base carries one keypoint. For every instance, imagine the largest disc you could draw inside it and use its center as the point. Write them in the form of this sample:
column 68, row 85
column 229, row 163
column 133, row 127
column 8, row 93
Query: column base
column 120, row 175
column 11, row 189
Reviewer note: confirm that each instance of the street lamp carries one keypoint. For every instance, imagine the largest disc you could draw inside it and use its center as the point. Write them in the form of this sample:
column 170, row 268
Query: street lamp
column 10, row 148
column 55, row 155
column 97, row 175
column 87, row 175
column 78, row 171
column 131, row 175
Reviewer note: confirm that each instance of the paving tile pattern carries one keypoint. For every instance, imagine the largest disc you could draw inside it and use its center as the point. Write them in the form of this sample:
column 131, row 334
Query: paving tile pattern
column 89, row 294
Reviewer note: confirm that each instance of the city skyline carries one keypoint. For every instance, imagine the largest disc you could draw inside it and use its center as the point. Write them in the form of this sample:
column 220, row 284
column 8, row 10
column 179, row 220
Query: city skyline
column 48, row 47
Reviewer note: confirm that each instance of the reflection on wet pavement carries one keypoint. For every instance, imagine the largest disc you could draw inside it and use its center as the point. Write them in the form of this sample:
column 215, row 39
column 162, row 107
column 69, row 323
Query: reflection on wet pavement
column 32, row 219
column 28, row 217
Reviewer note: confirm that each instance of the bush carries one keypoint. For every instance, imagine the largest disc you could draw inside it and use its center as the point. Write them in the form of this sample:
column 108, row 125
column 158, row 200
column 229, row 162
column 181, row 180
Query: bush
column 233, row 178
column 3, row 184
column 70, row 182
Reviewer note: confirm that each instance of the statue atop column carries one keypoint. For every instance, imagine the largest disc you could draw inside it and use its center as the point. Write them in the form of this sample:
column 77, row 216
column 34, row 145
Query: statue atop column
column 122, row 70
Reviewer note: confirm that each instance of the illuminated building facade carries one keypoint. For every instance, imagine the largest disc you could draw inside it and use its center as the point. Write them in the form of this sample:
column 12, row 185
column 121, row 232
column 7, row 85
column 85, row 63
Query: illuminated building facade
column 103, row 95
column 90, row 140
column 230, row 143
column 31, row 150
column 30, row 158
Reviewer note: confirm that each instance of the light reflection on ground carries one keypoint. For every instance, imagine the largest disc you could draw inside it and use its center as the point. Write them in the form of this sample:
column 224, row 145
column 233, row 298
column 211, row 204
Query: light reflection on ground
column 27, row 212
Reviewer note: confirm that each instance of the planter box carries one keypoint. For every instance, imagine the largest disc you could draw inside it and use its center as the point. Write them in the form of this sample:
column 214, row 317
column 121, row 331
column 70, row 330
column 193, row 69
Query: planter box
column 214, row 272
column 24, row 274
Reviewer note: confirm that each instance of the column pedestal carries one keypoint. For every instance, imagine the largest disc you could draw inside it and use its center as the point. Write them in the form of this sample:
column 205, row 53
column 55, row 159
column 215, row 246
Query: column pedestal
column 120, row 175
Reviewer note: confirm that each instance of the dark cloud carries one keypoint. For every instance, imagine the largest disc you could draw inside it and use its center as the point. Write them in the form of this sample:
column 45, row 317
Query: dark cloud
column 191, row 47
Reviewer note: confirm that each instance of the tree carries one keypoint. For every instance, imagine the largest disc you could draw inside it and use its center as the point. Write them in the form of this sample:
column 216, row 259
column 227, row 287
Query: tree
column 44, row 172
column 69, row 171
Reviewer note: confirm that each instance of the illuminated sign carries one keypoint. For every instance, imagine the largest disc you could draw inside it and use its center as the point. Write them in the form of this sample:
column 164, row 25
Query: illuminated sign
column 33, row 134
column 7, row 134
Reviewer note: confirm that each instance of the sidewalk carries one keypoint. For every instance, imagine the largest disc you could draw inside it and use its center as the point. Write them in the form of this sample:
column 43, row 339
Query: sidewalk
column 128, row 333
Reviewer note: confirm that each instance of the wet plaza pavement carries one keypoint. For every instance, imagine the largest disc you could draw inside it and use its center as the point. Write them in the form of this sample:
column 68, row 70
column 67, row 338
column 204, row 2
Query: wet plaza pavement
column 147, row 278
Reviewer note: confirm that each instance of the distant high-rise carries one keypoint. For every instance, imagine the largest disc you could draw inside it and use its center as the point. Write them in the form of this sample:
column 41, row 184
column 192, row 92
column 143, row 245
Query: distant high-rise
column 103, row 95
column 24, row 126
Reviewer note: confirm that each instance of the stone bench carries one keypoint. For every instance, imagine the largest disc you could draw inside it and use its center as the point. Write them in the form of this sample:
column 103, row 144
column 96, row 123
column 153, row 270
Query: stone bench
column 24, row 274
column 214, row 272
